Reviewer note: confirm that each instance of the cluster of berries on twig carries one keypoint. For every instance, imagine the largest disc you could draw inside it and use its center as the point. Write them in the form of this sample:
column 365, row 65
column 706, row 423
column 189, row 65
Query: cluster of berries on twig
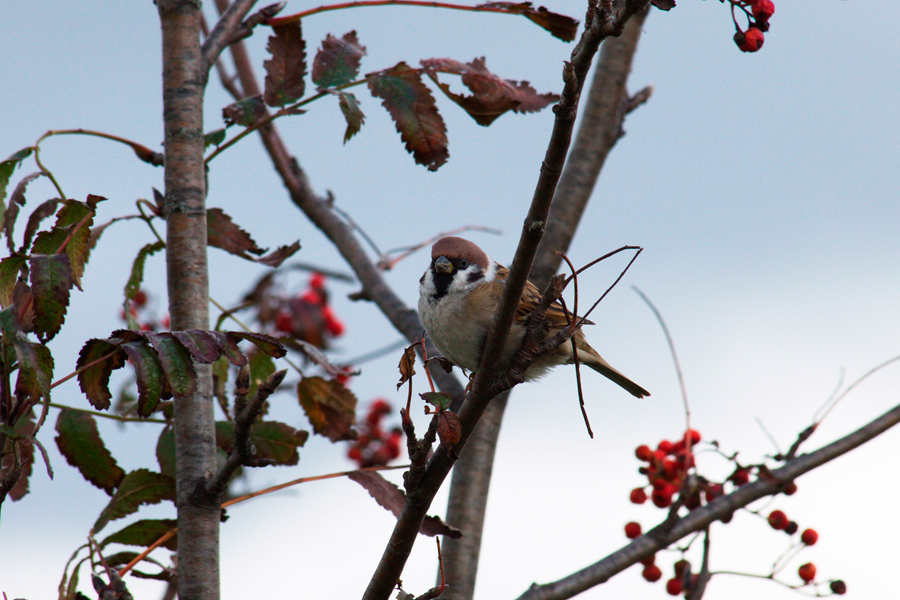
column 307, row 316
column 758, row 13
column 376, row 446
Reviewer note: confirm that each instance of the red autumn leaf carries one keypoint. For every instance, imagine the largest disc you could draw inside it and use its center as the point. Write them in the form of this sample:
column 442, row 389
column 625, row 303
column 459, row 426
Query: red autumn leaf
column 279, row 255
column 414, row 111
column 330, row 407
column 338, row 61
column 407, row 365
column 94, row 379
column 449, row 429
column 559, row 26
column 224, row 233
column 287, row 67
column 491, row 95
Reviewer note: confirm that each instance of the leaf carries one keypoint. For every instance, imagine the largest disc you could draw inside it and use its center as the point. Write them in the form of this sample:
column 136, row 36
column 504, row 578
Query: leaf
column 407, row 365
column 138, row 487
column 666, row 5
column 338, row 61
column 264, row 342
column 28, row 390
column 144, row 533
column 287, row 67
column 352, row 113
column 559, row 26
column 94, row 379
column 449, row 428
column 223, row 233
column 272, row 440
column 245, row 112
column 229, row 348
column 165, row 451
column 6, row 170
column 214, row 138
column 261, row 366
column 43, row 211
column 279, row 255
column 17, row 199
column 491, row 95
column 10, row 269
column 176, row 363
column 73, row 227
column 23, row 430
column 392, row 498
column 137, row 268
column 440, row 400
column 79, row 441
column 330, row 407
column 415, row 114
column 149, row 374
column 51, row 280
column 201, row 344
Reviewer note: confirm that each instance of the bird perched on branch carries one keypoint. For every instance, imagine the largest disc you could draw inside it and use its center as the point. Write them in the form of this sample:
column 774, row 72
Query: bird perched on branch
column 458, row 296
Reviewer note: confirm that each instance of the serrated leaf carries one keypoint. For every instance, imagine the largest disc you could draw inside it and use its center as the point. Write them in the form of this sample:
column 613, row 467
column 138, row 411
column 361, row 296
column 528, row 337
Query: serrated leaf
column 440, row 400
column 318, row 357
column 286, row 70
column 352, row 113
column 137, row 268
column 491, row 95
column 272, row 440
column 15, row 201
column 114, row 560
column 407, row 365
column 214, row 138
column 201, row 344
column 261, row 366
column 79, row 442
column 165, row 451
column 72, row 228
column 6, row 170
column 392, row 498
column 449, row 428
column 10, row 269
column 94, row 379
column 144, row 533
column 414, row 111
column 149, row 374
column 224, row 233
column 264, row 342
column 559, row 26
column 330, row 407
column 44, row 210
column 245, row 112
column 27, row 390
column 19, row 435
column 338, row 60
column 229, row 348
column 279, row 255
column 51, row 280
column 138, row 487
column 176, row 363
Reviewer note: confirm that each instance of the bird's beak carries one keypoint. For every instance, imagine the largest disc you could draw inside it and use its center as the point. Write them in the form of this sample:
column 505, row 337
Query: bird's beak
column 443, row 265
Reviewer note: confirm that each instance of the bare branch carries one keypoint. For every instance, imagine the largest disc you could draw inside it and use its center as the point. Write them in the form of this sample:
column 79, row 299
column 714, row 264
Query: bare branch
column 232, row 28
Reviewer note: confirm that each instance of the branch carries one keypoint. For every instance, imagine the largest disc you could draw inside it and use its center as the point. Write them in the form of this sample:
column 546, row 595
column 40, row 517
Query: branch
column 721, row 508
column 232, row 28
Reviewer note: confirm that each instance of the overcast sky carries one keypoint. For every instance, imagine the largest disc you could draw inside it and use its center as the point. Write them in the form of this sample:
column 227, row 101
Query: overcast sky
column 763, row 188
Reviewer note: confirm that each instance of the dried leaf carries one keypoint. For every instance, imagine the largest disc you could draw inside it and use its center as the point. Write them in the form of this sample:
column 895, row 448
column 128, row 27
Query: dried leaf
column 201, row 344
column 272, row 440
column 407, row 365
column 138, row 487
column 137, row 268
column 663, row 4
column 449, row 429
column 264, row 342
column 338, row 61
column 79, row 441
column 390, row 497
column 559, row 26
column 491, row 95
column 279, row 255
column 287, row 67
column 415, row 114
column 223, row 233
column 352, row 113
column 245, row 112
column 330, row 407
column 94, row 379
column 144, row 533
column 149, row 374
column 51, row 280
column 176, row 363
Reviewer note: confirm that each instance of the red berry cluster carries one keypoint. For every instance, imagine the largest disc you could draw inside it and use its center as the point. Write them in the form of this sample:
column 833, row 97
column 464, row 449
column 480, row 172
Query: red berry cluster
column 141, row 313
column 307, row 316
column 758, row 13
column 666, row 469
column 375, row 446
column 680, row 583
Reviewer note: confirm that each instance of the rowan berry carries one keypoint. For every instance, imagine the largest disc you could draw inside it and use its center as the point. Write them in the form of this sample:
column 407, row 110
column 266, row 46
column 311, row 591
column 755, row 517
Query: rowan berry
column 632, row 530
column 750, row 40
column 643, row 452
column 673, row 586
column 763, row 9
column 809, row 537
column 652, row 573
column 778, row 520
column 638, row 496
column 807, row 572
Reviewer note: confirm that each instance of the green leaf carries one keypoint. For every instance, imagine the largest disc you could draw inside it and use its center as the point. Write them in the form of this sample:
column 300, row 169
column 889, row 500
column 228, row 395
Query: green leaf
column 137, row 268
column 287, row 67
column 73, row 223
column 27, row 390
column 214, row 138
column 139, row 487
column 261, row 366
column 149, row 374
column 79, row 441
column 144, row 533
column 352, row 113
column 51, row 280
column 338, row 61
column 43, row 211
column 165, row 451
column 330, row 407
column 441, row 400
column 94, row 379
column 246, row 112
column 10, row 269
column 6, row 170
column 415, row 114
column 273, row 440
column 264, row 342
column 176, row 362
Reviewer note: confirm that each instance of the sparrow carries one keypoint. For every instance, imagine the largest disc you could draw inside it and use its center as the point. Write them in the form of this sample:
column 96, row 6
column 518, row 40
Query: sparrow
column 458, row 296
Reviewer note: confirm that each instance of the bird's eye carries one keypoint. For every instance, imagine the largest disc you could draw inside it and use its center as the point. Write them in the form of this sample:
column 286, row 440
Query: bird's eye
column 463, row 263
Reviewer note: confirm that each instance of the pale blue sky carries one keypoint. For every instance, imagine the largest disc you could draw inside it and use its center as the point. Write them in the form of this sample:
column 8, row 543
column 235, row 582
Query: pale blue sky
column 762, row 187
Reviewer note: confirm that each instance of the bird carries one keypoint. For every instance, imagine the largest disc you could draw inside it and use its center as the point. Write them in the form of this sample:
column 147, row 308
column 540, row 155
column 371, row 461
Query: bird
column 458, row 296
